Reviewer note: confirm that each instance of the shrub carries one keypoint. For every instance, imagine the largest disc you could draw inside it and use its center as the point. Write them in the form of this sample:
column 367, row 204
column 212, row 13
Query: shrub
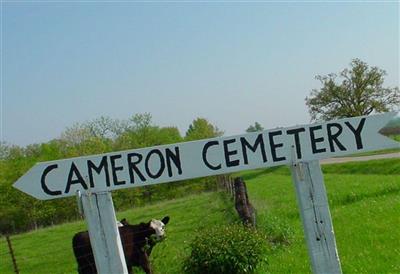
column 231, row 249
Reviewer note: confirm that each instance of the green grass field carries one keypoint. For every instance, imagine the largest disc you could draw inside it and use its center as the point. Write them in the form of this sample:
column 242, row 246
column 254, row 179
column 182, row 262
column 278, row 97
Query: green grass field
column 364, row 200
column 365, row 214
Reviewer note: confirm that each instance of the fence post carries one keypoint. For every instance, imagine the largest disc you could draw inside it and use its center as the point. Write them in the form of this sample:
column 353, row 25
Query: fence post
column 106, row 244
column 14, row 261
column 316, row 218
column 242, row 203
column 228, row 185
column 232, row 188
column 220, row 182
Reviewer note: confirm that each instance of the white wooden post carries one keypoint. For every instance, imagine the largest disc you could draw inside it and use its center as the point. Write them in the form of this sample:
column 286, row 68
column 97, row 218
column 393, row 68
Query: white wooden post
column 106, row 244
column 316, row 218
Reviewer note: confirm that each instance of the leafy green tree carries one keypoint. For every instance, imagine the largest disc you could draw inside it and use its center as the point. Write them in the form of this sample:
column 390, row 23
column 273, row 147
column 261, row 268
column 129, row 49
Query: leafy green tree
column 76, row 134
column 141, row 121
column 359, row 91
column 169, row 135
column 4, row 150
column 105, row 127
column 144, row 130
column 81, row 139
column 139, row 132
column 201, row 129
column 255, row 128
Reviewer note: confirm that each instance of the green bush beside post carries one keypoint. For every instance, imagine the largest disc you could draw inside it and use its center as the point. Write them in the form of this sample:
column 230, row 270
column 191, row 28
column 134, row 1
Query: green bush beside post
column 230, row 249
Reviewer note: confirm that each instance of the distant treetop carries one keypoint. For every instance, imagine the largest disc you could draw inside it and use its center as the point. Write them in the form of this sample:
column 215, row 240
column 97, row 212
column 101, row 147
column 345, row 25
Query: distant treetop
column 255, row 128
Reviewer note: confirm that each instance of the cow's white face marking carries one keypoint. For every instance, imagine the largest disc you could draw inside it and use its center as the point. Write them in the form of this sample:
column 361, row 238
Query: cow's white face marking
column 159, row 227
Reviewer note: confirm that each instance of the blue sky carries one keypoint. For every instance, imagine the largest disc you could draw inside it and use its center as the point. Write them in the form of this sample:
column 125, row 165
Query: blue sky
column 232, row 63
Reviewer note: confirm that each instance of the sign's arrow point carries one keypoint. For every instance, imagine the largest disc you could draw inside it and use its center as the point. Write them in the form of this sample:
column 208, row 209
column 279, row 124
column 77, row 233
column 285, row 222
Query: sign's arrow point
column 28, row 183
column 381, row 121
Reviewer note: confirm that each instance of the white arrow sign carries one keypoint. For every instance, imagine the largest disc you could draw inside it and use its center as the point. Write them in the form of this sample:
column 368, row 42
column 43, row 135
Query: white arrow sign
column 167, row 163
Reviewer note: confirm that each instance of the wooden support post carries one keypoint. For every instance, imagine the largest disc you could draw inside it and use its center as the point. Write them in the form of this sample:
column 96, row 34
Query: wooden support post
column 317, row 222
column 106, row 244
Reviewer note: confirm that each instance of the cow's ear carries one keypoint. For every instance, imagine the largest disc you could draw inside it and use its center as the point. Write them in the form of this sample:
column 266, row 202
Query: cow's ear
column 165, row 220
column 124, row 221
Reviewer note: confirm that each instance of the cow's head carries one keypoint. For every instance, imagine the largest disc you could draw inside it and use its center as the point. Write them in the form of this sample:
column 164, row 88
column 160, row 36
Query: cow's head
column 123, row 222
column 159, row 227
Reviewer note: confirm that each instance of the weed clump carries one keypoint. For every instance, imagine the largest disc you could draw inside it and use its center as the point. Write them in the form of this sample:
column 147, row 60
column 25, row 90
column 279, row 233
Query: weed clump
column 230, row 249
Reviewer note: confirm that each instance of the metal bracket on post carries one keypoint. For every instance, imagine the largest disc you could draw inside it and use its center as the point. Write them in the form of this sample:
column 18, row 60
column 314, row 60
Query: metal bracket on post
column 105, row 240
column 314, row 210
column 79, row 202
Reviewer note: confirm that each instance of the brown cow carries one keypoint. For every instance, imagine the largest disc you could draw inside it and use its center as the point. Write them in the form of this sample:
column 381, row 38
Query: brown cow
column 137, row 242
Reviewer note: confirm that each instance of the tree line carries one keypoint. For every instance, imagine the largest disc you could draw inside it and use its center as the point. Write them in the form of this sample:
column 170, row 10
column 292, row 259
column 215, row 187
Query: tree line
column 20, row 212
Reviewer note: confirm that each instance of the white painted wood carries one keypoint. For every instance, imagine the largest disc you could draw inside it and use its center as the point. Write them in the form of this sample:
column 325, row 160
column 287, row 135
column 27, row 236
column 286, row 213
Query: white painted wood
column 103, row 231
column 79, row 203
column 316, row 218
column 148, row 166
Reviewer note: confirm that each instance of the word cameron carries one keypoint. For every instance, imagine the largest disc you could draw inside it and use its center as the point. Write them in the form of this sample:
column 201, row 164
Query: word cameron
column 109, row 169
